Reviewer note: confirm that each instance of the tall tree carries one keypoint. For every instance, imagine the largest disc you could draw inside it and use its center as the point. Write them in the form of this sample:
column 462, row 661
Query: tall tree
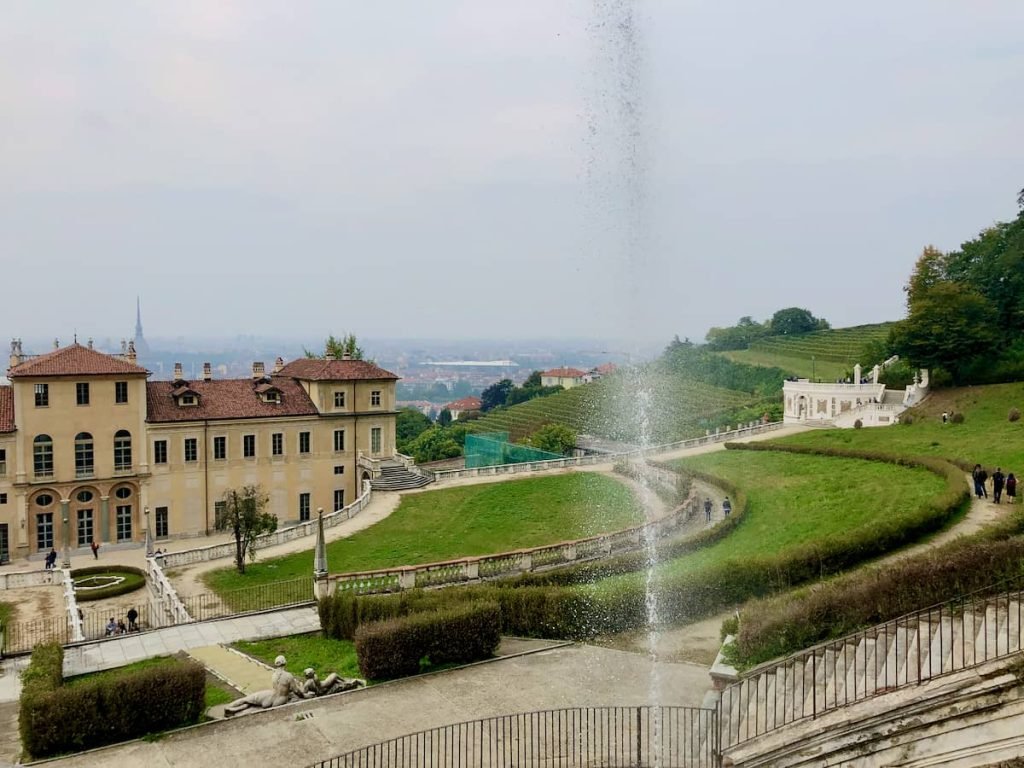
column 409, row 424
column 445, row 418
column 495, row 395
column 555, row 438
column 794, row 320
column 244, row 515
column 338, row 347
column 929, row 271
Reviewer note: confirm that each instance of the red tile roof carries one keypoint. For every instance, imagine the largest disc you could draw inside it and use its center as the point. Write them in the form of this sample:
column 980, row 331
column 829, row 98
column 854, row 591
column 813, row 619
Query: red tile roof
column 226, row 399
column 607, row 368
column 465, row 404
column 76, row 360
column 6, row 409
column 315, row 369
column 565, row 373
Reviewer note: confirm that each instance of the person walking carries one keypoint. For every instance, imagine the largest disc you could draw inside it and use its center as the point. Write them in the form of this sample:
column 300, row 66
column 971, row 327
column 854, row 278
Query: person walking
column 976, row 477
column 998, row 480
column 133, row 618
column 726, row 507
column 1011, row 488
column 707, row 510
column 983, row 476
column 95, row 550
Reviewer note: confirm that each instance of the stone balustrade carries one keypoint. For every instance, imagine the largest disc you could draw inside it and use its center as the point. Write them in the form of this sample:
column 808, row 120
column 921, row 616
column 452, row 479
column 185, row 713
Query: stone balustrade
column 76, row 632
column 163, row 596
column 301, row 530
column 19, row 579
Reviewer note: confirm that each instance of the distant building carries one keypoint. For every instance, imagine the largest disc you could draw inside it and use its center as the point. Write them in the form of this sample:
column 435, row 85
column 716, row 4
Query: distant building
column 564, row 377
column 595, row 374
column 87, row 444
column 141, row 346
column 464, row 405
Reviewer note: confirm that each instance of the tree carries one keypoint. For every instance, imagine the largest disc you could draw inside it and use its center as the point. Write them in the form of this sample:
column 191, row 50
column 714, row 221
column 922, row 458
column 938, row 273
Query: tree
column 793, row 320
column 244, row 515
column 929, row 271
column 445, row 418
column 555, row 438
column 948, row 326
column 496, row 395
column 339, row 347
column 435, row 444
column 409, row 424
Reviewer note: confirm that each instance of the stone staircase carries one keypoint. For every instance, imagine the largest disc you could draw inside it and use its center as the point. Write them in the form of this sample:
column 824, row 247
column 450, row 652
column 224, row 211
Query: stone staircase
column 913, row 649
column 395, row 477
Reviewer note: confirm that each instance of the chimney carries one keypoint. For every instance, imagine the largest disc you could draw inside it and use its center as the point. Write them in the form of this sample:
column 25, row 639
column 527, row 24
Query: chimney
column 179, row 373
column 90, row 342
column 278, row 365
column 131, row 350
column 258, row 370
column 56, row 343
column 346, row 355
column 328, row 355
column 15, row 358
column 207, row 372
column 124, row 348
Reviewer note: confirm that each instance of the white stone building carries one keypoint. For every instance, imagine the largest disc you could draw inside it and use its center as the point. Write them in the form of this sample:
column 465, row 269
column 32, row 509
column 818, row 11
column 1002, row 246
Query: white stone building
column 841, row 404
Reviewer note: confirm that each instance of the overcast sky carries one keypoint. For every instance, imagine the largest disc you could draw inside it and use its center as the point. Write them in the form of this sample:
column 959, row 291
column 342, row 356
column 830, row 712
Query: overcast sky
column 482, row 168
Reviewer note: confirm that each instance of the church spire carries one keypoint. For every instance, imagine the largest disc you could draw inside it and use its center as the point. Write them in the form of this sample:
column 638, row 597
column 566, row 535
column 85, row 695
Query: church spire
column 141, row 347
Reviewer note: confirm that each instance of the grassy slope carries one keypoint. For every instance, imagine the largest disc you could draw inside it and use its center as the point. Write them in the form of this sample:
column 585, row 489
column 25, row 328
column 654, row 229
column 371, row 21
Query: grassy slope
column 458, row 522
column 985, row 437
column 796, row 500
column 321, row 653
column 826, row 370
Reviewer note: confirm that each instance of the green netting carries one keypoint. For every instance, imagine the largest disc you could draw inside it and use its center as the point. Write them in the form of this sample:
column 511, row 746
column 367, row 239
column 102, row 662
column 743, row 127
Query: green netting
column 493, row 448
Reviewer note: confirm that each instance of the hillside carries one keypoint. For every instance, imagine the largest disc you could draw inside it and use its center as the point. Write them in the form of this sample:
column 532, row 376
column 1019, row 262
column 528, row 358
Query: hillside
column 825, row 355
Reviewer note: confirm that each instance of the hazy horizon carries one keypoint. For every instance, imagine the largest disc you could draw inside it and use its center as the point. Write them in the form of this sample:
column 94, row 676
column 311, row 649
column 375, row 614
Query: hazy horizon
column 469, row 170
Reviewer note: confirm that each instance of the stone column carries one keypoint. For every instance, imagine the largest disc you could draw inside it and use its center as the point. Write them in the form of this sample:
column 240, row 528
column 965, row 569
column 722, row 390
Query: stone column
column 104, row 536
column 65, row 532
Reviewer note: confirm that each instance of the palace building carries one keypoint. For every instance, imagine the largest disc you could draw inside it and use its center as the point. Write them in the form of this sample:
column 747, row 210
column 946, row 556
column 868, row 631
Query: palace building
column 89, row 446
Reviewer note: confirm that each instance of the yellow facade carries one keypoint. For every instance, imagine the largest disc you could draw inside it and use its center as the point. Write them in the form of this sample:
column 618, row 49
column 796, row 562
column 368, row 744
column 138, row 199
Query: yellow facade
column 175, row 466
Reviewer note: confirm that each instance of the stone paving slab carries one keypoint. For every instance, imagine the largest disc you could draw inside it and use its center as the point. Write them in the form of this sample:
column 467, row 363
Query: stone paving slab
column 238, row 670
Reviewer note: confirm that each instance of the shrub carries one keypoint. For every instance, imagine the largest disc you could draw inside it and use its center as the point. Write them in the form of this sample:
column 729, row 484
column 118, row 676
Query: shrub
column 858, row 424
column 1014, row 414
column 55, row 719
column 394, row 647
column 957, row 418
column 134, row 578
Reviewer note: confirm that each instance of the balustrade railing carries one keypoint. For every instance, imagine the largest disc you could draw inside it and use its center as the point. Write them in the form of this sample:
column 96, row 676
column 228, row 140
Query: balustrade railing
column 668, row 737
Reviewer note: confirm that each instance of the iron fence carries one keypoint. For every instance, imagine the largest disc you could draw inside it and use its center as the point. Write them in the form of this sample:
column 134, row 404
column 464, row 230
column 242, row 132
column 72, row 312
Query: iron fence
column 260, row 597
column 23, row 636
column 671, row 737
column 939, row 640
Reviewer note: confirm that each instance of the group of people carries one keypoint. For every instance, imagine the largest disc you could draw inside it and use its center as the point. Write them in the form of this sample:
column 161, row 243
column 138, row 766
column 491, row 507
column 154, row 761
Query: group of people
column 1000, row 483
column 120, row 628
column 709, row 507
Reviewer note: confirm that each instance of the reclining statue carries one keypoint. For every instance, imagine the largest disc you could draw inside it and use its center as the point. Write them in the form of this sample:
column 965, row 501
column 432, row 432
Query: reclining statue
column 284, row 688
column 333, row 683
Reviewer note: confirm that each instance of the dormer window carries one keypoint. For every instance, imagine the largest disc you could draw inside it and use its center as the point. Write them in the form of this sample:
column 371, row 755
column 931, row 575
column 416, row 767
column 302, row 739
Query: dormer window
column 187, row 400
column 268, row 392
column 184, row 395
column 272, row 397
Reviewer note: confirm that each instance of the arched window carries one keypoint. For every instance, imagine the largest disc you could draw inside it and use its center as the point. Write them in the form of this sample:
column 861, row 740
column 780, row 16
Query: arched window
column 83, row 455
column 42, row 456
column 122, row 450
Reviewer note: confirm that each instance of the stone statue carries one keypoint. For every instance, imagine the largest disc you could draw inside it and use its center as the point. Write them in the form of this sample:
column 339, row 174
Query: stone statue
column 284, row 687
column 333, row 683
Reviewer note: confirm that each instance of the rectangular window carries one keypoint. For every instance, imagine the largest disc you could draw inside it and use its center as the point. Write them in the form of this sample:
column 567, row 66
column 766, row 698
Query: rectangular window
column 220, row 447
column 159, row 451
column 122, row 452
column 124, row 522
column 339, row 399
column 375, row 397
column 191, row 449
column 339, row 469
column 339, row 499
column 219, row 509
column 120, row 391
column 42, row 395
column 3, row 498
column 248, row 446
column 303, row 506
column 375, row 440
column 161, row 522
column 277, row 443
column 44, row 531
column 85, row 537
column 3, row 462
column 83, row 457
column 82, row 393
column 42, row 457
column 303, row 442
column 339, row 440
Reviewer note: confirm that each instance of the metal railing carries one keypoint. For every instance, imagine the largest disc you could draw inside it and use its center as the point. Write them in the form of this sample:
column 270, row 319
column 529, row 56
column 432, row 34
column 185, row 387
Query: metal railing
column 948, row 637
column 260, row 597
column 680, row 737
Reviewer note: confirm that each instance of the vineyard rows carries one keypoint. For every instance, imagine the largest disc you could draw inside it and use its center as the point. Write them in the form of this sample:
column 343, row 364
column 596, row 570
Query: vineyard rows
column 841, row 345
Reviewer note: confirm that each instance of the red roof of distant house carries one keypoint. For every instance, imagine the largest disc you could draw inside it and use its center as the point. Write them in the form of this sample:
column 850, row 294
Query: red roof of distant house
column 565, row 373
column 76, row 360
column 6, row 409
column 225, row 399
column 317, row 369
column 466, row 404
column 607, row 368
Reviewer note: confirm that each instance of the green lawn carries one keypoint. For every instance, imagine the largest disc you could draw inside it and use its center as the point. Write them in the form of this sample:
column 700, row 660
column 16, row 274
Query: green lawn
column 6, row 612
column 458, row 522
column 796, row 500
column 985, row 437
column 804, row 367
column 322, row 654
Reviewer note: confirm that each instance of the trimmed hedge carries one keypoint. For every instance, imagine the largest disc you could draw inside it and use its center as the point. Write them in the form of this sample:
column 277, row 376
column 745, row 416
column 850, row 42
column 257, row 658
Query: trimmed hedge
column 135, row 578
column 788, row 623
column 394, row 647
column 54, row 719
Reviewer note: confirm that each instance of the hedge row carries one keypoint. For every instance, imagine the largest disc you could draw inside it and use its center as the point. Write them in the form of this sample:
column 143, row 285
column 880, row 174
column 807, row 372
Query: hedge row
column 134, row 579
column 672, row 496
column 581, row 602
column 785, row 624
column 54, row 719
column 395, row 647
